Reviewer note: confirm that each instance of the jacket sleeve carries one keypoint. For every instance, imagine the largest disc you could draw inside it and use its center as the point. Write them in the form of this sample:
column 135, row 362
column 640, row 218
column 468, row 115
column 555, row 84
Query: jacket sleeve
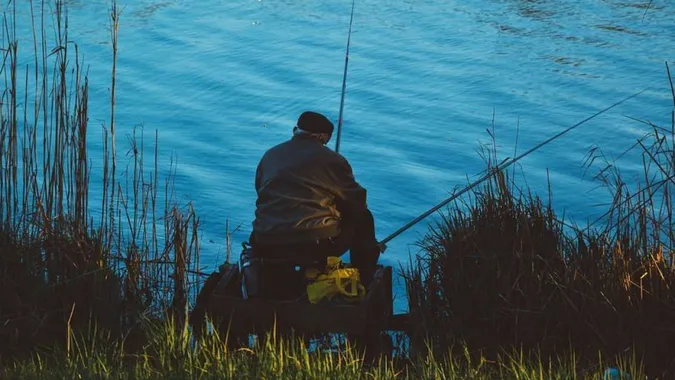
column 350, row 193
column 258, row 176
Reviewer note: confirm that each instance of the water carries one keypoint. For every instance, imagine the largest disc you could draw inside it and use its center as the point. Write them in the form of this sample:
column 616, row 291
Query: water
column 223, row 81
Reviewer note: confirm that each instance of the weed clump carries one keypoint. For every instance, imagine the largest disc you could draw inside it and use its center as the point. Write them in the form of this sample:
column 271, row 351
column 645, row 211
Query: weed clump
column 59, row 268
column 501, row 269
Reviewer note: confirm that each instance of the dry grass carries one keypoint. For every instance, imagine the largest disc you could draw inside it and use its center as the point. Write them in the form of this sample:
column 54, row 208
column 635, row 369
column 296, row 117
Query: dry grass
column 502, row 270
column 58, row 266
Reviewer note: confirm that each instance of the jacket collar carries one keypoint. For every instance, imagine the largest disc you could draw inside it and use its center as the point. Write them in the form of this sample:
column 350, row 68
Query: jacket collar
column 307, row 137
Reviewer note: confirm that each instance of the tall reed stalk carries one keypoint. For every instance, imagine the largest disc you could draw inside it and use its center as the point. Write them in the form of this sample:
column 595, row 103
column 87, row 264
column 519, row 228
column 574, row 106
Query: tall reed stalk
column 56, row 263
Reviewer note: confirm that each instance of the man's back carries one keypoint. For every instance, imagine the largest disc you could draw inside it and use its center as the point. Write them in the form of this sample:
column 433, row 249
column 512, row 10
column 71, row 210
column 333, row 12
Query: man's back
column 310, row 206
column 301, row 186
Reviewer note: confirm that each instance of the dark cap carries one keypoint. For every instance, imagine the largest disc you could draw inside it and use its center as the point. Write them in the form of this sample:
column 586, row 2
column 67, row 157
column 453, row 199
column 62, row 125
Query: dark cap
column 315, row 122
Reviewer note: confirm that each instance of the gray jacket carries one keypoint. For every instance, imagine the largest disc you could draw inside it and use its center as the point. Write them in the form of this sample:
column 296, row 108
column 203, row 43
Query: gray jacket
column 303, row 189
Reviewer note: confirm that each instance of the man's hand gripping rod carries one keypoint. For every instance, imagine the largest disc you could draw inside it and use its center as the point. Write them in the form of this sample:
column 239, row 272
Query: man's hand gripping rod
column 506, row 163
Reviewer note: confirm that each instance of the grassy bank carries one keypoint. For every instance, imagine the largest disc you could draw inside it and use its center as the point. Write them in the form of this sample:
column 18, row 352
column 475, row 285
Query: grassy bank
column 502, row 269
column 171, row 354
column 501, row 287
column 62, row 265
column 168, row 353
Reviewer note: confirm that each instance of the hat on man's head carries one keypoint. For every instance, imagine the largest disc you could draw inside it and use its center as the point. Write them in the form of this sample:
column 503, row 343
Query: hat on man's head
column 315, row 123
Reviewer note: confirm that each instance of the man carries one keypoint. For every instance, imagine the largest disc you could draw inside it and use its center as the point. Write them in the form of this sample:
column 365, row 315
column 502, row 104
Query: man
column 309, row 205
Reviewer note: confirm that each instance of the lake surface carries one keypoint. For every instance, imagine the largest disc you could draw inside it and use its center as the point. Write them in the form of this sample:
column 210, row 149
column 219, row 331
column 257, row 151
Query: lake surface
column 223, row 81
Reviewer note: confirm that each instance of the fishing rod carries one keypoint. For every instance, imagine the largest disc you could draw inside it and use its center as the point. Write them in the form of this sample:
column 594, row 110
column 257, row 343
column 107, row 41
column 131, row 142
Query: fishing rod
column 503, row 165
column 344, row 82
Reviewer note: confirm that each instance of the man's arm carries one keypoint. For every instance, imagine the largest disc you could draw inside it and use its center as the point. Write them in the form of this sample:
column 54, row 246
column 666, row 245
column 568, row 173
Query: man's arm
column 258, row 176
column 351, row 195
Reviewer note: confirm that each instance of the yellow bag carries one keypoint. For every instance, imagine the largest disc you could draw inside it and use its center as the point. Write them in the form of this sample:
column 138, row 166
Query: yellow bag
column 333, row 281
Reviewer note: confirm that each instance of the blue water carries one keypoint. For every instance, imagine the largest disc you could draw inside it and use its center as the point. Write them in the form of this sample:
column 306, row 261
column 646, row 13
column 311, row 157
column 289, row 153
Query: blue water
column 223, row 81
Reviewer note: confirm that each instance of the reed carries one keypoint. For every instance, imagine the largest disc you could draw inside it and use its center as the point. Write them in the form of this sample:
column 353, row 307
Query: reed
column 501, row 269
column 59, row 267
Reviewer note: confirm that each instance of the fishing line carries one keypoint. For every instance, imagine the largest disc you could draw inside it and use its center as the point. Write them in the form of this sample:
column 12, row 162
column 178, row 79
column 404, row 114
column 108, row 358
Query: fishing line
column 506, row 163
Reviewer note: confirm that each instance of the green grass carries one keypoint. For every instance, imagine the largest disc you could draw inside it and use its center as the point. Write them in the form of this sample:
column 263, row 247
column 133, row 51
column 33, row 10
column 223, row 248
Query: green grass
column 172, row 354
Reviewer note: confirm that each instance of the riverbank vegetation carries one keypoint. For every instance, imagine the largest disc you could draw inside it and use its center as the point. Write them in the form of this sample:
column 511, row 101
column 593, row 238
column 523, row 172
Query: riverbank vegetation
column 502, row 287
column 170, row 353
column 63, row 265
column 501, row 268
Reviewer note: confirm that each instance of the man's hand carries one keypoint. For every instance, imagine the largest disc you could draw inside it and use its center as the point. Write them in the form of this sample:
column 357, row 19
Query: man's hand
column 382, row 247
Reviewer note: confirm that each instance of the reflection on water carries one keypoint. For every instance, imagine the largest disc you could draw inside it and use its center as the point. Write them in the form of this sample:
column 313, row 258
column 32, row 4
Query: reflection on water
column 148, row 10
column 646, row 5
column 561, row 32
column 622, row 29
column 533, row 9
column 566, row 60
column 510, row 29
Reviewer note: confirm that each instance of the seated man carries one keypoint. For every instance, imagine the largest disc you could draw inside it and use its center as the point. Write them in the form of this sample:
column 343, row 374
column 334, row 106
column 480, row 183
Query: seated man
column 309, row 205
